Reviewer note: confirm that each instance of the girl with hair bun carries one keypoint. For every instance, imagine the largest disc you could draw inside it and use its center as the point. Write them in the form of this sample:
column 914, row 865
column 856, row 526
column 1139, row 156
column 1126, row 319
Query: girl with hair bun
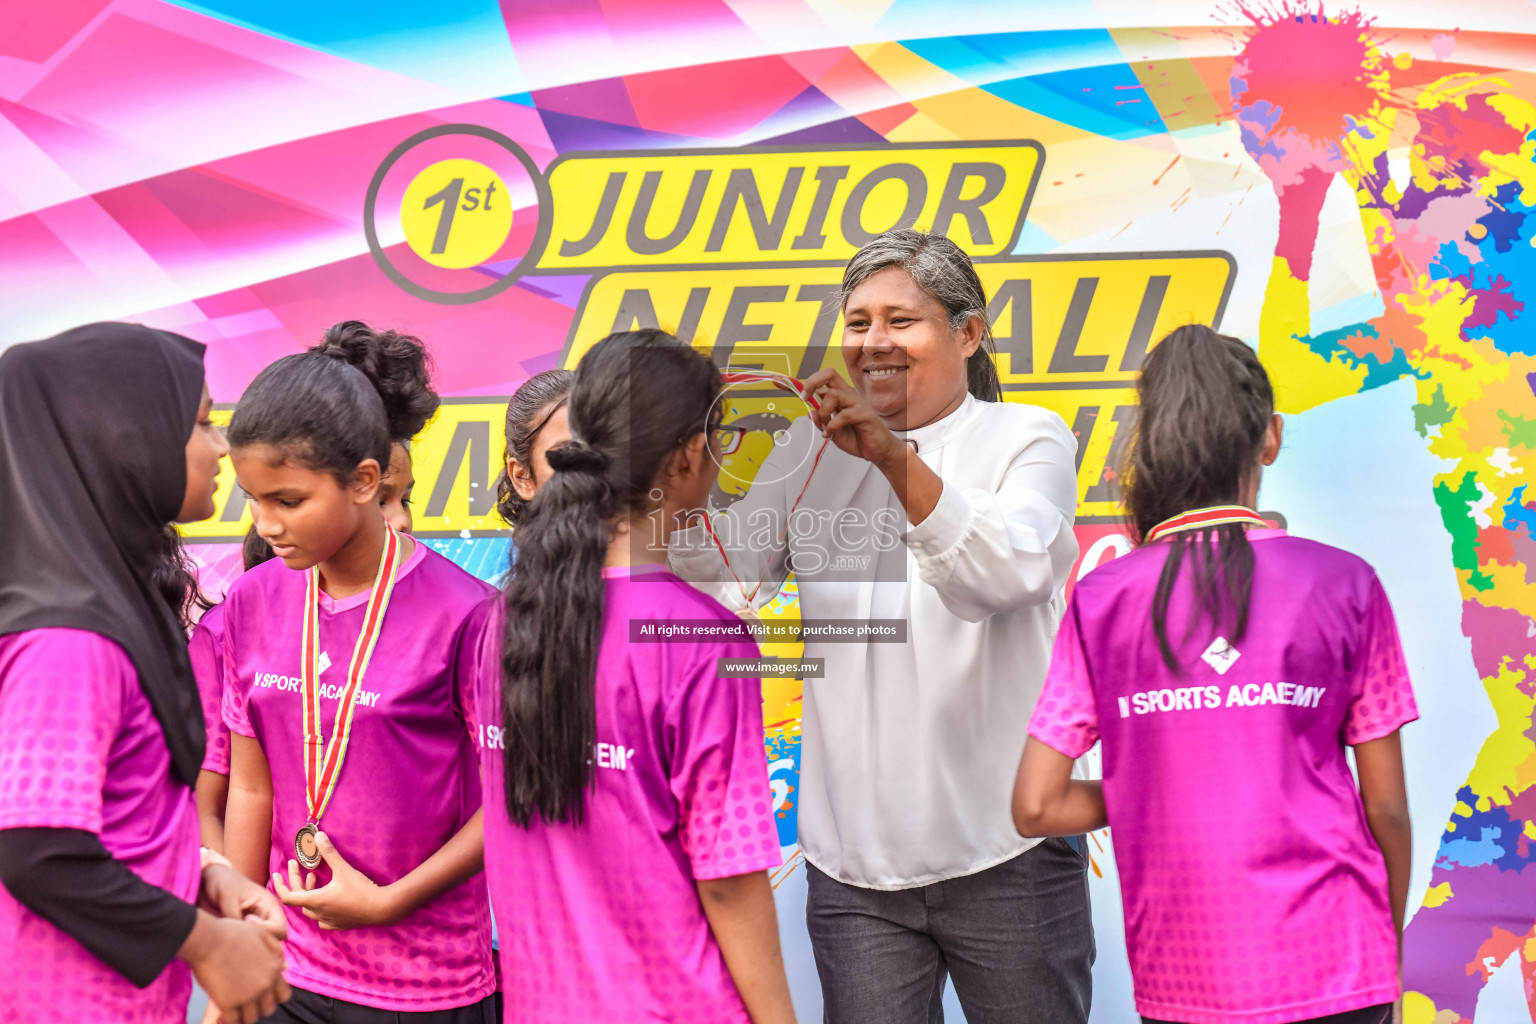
column 399, row 368
column 352, row 772
column 1225, row 666
column 629, row 824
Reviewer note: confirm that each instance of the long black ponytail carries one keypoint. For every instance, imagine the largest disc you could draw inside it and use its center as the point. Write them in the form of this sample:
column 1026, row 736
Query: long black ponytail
column 636, row 398
column 1205, row 404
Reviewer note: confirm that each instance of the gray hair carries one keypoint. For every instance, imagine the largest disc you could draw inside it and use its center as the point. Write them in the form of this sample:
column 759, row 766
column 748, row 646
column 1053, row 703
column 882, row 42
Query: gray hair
column 943, row 270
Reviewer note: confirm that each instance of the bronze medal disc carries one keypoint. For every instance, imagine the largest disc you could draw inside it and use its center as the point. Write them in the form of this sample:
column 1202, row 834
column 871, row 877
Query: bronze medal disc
column 306, row 848
column 748, row 614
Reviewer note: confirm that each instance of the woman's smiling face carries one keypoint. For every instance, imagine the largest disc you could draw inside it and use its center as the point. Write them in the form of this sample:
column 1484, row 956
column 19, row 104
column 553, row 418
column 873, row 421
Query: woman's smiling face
column 902, row 355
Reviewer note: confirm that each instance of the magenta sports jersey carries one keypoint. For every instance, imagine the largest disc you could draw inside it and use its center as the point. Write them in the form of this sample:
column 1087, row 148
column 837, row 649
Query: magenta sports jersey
column 408, row 782
column 602, row 921
column 80, row 748
column 1253, row 888
column 208, row 667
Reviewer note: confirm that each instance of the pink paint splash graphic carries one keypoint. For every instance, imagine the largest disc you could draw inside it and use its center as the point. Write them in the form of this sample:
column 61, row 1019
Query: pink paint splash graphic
column 1451, row 252
column 1298, row 85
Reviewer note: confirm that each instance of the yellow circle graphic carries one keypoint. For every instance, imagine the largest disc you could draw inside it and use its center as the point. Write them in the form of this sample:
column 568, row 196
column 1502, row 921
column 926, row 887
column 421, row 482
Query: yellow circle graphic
column 456, row 214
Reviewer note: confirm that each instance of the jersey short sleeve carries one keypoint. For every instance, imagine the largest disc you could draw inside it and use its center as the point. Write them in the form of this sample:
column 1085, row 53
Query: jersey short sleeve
column 1066, row 716
column 235, row 704
column 61, row 706
column 719, row 770
column 207, row 667
column 1383, row 697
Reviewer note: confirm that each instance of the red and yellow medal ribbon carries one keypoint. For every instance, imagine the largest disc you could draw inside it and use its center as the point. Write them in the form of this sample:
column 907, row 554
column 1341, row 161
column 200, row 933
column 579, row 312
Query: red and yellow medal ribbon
column 322, row 762
column 1216, row 515
column 783, row 382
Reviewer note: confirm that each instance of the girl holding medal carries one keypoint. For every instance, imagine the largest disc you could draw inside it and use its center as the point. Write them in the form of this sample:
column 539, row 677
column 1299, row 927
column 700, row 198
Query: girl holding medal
column 396, row 364
column 1225, row 666
column 208, row 638
column 352, row 775
column 104, row 439
column 629, row 823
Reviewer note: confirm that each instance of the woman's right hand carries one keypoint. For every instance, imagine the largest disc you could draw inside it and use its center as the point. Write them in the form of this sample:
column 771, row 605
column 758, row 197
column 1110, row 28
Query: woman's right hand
column 240, row 964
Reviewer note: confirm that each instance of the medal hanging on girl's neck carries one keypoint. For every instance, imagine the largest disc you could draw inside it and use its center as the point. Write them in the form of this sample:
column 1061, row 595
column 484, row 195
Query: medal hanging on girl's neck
column 322, row 762
column 784, row 382
column 1216, row 515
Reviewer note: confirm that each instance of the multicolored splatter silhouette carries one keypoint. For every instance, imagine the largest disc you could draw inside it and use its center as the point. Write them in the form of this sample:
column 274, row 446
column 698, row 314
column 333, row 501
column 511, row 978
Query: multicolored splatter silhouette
column 1453, row 246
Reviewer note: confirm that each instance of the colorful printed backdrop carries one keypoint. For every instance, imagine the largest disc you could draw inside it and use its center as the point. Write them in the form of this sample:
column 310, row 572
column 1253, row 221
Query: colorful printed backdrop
column 1348, row 188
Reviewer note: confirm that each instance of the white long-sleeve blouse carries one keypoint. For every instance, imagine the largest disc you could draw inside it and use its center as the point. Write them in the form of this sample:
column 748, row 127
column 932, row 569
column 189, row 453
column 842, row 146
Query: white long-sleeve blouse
column 909, row 750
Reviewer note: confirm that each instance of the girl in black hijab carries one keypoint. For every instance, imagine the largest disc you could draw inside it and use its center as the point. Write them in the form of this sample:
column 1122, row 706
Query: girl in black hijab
column 105, row 910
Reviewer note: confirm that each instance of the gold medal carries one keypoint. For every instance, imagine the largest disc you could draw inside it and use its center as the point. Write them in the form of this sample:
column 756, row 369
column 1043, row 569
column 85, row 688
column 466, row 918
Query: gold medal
column 784, row 382
column 306, row 847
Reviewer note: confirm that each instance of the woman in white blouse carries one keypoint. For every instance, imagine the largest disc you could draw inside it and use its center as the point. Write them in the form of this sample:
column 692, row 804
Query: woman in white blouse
column 938, row 504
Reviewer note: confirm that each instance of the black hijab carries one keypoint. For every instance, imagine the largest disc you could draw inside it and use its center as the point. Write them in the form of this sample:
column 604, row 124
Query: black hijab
column 93, row 431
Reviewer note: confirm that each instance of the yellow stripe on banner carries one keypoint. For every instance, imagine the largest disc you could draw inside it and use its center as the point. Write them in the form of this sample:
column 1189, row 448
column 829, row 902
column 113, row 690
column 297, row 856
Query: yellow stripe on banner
column 1071, row 332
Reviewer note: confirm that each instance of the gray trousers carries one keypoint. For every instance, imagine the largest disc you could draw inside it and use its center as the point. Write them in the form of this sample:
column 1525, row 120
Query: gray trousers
column 1017, row 939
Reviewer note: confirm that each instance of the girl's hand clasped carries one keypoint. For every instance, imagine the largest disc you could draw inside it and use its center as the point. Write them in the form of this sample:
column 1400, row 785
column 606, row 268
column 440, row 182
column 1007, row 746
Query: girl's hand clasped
column 227, row 893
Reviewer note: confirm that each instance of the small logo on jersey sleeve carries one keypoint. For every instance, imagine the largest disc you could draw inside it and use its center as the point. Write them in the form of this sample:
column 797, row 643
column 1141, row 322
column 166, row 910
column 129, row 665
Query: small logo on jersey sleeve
column 1221, row 655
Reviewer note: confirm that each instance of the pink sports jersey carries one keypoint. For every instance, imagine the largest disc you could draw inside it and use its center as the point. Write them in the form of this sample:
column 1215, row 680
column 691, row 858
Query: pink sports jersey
column 1253, row 888
column 602, row 921
column 408, row 783
column 80, row 748
column 208, row 668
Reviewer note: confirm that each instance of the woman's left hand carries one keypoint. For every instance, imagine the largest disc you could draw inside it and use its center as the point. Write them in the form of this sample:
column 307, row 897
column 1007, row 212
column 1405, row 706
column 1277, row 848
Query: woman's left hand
column 227, row 893
column 847, row 419
column 349, row 900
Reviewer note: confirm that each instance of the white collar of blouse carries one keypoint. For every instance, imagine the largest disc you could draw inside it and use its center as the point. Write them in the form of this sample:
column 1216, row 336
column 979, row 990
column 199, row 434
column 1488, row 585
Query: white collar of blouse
column 937, row 434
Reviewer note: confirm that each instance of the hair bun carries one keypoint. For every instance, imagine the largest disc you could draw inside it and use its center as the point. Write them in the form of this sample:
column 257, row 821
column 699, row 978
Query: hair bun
column 578, row 457
column 398, row 367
